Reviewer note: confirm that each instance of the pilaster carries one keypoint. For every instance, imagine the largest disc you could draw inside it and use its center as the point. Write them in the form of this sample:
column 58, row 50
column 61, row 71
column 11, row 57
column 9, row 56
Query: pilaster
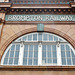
column 6, row 0
column 2, row 17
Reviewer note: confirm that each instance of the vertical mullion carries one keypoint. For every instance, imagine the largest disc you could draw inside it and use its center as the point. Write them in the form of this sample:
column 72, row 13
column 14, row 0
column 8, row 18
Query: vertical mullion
column 65, row 54
column 58, row 50
column 32, row 37
column 40, row 54
column 48, row 37
column 53, row 37
column 21, row 54
column 51, row 54
column 33, row 56
column 14, row 54
column 2, row 61
column 28, row 55
column 46, row 55
column 41, row 36
column 71, row 57
column 37, row 36
column 8, row 57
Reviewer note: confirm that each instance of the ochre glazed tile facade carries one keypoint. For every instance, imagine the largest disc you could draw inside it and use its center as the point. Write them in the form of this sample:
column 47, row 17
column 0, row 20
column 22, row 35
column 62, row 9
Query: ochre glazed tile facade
column 9, row 31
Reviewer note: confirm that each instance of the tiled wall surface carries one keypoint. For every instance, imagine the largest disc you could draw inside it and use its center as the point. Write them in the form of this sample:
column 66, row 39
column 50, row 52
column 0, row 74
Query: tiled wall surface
column 37, row 72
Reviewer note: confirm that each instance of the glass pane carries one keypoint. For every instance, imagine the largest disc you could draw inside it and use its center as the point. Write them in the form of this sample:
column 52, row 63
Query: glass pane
column 17, row 47
column 5, row 60
column 68, row 53
column 49, row 60
column 30, row 47
column 43, row 60
column 10, row 60
column 13, row 47
column 29, row 37
column 49, row 54
column 39, row 37
column 63, row 61
column 35, row 61
column 24, row 38
column 25, row 54
column 49, row 48
column 53, row 47
column 55, row 38
column 62, row 47
column 72, row 53
column 73, row 59
column 16, row 61
column 44, row 51
column 44, row 54
column 11, row 53
column 45, row 37
column 35, row 54
column 30, row 54
column 25, row 47
column 54, row 60
column 60, row 39
column 68, row 61
column 7, row 54
column 35, row 47
column 25, row 61
column 50, row 37
column 43, row 47
column 16, row 53
column 34, row 37
column 30, row 62
column 18, row 40
column 62, row 53
column 54, row 54
column 67, row 48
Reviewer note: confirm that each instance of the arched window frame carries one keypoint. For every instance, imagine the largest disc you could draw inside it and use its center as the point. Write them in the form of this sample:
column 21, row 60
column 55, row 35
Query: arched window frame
column 20, row 61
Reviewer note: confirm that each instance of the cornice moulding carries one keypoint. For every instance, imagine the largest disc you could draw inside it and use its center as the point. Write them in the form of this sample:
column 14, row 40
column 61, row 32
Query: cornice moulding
column 72, row 4
column 5, row 5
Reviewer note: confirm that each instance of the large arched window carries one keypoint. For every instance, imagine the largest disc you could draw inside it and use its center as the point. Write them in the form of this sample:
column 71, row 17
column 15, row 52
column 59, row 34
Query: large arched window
column 39, row 49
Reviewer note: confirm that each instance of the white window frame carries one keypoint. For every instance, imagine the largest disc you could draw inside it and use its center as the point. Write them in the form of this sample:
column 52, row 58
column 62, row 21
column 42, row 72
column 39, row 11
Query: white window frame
column 39, row 43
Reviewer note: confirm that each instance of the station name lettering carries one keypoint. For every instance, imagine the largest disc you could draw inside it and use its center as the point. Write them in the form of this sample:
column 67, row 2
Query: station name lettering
column 40, row 17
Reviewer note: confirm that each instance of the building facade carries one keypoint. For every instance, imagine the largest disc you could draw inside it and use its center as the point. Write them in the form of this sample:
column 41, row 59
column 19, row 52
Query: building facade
column 37, row 37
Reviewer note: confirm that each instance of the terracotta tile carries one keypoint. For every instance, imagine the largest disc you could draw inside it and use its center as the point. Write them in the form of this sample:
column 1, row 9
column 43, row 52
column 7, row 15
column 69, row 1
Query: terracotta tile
column 63, row 73
column 72, row 26
column 2, row 73
column 25, row 72
column 71, row 32
column 66, row 28
column 47, row 72
column 9, row 73
column 71, row 72
column 55, row 72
